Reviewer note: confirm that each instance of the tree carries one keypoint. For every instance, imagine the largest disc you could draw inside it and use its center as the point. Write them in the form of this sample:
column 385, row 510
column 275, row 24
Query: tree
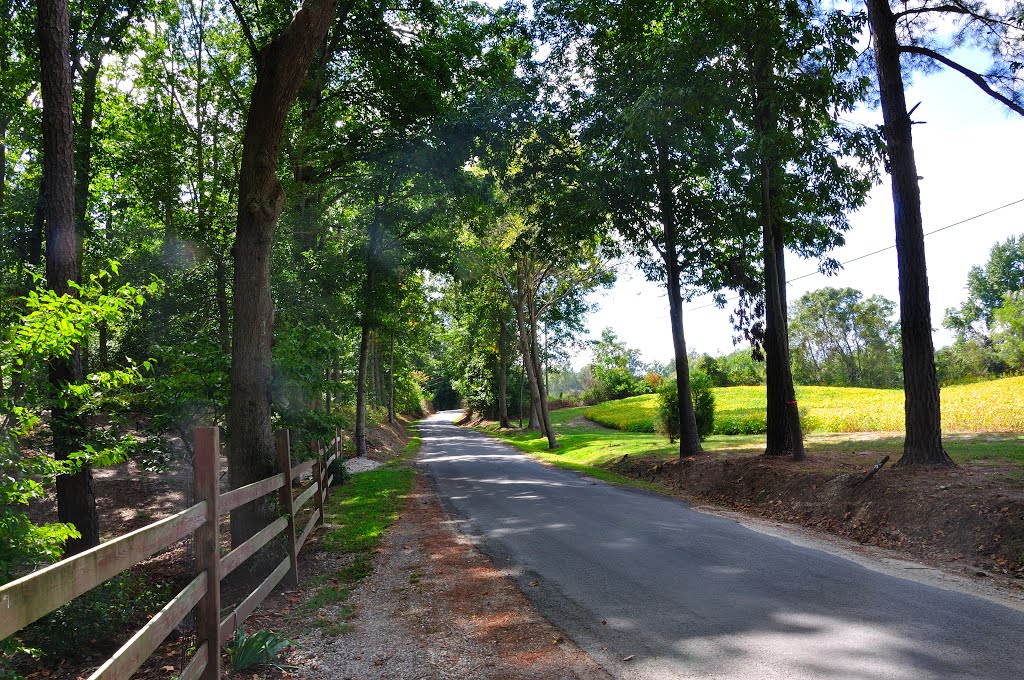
column 539, row 286
column 907, row 32
column 987, row 285
column 840, row 338
column 281, row 67
column 617, row 369
column 1009, row 330
column 76, row 503
column 789, row 60
column 661, row 144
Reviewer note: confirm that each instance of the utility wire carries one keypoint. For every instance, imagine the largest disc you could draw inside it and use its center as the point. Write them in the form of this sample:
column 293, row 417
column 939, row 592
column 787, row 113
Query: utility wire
column 876, row 252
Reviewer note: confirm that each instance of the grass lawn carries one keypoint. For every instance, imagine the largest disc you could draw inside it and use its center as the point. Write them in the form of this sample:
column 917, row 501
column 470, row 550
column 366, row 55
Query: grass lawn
column 992, row 406
column 586, row 447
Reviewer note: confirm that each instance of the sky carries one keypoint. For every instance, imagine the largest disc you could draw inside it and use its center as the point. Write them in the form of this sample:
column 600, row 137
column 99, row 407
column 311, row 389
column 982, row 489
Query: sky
column 970, row 153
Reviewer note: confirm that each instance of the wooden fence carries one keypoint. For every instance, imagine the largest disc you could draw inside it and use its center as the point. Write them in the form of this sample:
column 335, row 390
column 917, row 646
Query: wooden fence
column 39, row 593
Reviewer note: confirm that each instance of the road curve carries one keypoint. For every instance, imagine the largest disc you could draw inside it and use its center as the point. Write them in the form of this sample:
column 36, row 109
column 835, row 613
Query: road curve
column 687, row 594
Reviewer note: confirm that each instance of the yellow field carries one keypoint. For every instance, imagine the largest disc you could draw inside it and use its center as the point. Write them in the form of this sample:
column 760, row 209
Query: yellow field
column 993, row 406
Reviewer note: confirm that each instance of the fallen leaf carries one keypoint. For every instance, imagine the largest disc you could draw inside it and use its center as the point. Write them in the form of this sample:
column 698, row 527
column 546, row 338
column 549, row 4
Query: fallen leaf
column 169, row 669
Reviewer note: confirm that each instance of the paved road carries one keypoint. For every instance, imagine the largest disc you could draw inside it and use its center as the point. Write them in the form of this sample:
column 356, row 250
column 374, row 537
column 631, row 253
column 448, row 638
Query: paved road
column 694, row 595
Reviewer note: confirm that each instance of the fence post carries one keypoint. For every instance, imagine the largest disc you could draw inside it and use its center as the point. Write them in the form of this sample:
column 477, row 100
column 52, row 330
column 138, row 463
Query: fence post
column 284, row 463
column 206, row 468
column 318, row 479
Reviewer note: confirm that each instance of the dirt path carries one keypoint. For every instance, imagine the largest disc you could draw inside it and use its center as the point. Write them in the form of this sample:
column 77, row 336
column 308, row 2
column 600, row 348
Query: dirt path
column 435, row 607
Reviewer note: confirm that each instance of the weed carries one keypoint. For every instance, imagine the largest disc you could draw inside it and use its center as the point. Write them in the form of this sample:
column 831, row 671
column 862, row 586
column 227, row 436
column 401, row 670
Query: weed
column 325, row 597
column 262, row 648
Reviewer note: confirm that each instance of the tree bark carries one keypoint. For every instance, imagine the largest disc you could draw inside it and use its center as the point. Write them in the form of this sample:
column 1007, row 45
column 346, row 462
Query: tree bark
column 527, row 319
column 923, row 442
column 392, row 416
column 689, row 437
column 785, row 435
column 83, row 151
column 3, row 156
column 223, row 315
column 364, row 355
column 366, row 329
column 542, row 403
column 281, row 67
column 502, row 371
column 76, row 502
column 525, row 349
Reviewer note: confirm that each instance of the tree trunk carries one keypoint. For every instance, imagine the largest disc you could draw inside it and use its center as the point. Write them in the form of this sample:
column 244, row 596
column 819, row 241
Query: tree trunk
column 533, row 360
column 502, row 371
column 83, row 151
column 76, row 503
column 785, row 436
column 923, row 442
column 35, row 246
column 528, row 363
column 364, row 349
column 364, row 355
column 521, row 402
column 3, row 155
column 392, row 417
column 689, row 437
column 281, row 67
column 223, row 316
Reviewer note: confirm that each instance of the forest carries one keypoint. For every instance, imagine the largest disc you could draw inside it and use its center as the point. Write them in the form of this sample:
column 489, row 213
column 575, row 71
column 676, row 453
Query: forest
column 326, row 214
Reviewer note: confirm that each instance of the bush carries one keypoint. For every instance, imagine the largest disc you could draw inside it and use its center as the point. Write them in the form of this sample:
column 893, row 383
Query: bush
column 703, row 402
column 667, row 422
column 339, row 471
column 105, row 613
column 703, row 406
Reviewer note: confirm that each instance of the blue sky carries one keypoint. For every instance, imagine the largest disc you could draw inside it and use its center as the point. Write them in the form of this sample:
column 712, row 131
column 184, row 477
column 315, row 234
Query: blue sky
column 970, row 153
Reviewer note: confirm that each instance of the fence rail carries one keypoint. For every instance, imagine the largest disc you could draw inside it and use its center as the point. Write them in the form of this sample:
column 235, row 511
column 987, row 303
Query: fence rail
column 37, row 594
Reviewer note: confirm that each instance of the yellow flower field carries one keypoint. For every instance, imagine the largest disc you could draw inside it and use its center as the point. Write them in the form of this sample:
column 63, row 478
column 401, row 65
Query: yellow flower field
column 992, row 406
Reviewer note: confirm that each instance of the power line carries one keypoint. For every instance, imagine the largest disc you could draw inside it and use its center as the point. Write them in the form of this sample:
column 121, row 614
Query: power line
column 876, row 252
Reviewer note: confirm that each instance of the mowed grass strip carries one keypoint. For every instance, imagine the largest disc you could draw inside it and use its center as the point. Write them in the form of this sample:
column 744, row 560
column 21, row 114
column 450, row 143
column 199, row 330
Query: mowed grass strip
column 357, row 514
column 361, row 509
column 992, row 406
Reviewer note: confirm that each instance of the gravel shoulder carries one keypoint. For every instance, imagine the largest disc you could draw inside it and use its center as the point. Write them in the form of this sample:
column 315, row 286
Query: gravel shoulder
column 435, row 607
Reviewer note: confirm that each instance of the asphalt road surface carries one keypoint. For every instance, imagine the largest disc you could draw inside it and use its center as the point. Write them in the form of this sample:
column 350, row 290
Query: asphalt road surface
column 688, row 594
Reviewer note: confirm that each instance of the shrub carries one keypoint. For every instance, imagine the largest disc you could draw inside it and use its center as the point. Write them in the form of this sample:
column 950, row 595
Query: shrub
column 104, row 613
column 667, row 421
column 703, row 402
column 339, row 471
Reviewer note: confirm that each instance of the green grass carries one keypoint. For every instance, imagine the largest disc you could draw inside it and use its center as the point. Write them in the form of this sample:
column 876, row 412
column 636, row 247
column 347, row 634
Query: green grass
column 412, row 447
column 992, row 406
column 364, row 507
column 358, row 513
column 589, row 448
